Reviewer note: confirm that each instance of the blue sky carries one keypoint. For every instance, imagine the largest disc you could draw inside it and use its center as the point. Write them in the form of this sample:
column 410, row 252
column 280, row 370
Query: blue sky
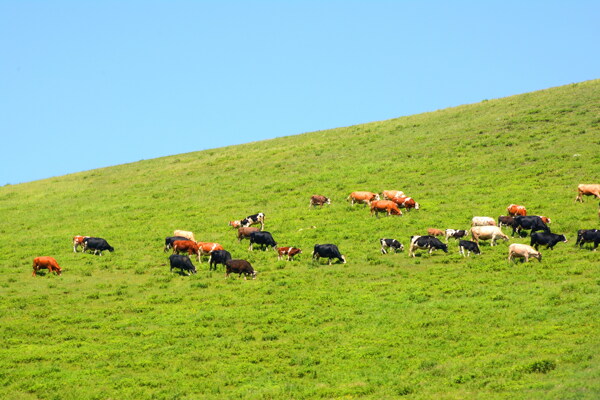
column 90, row 84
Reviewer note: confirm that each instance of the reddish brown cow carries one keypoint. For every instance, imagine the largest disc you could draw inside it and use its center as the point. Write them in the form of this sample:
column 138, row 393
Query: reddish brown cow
column 545, row 220
column 186, row 246
column 206, row 248
column 318, row 200
column 406, row 202
column 362, row 197
column 435, row 232
column 515, row 209
column 387, row 206
column 48, row 263
column 290, row 252
column 78, row 241
column 244, row 233
column 583, row 189
column 392, row 194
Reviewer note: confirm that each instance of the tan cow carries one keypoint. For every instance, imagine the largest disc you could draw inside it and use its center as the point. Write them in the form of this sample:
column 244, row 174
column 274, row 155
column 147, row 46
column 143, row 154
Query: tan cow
column 523, row 251
column 185, row 234
column 244, row 233
column 483, row 221
column 487, row 233
column 436, row 232
column 386, row 206
column 583, row 189
column 392, row 194
column 362, row 197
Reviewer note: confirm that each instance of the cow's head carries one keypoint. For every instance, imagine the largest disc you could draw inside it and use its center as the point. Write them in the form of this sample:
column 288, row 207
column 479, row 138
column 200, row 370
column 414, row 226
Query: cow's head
column 328, row 200
column 235, row 224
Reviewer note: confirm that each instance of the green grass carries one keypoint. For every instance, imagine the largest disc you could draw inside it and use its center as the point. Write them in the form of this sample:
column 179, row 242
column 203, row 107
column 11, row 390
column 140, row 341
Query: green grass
column 382, row 326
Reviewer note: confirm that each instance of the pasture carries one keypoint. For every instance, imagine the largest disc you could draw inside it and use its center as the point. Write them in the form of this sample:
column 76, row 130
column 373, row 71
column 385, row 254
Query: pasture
column 121, row 326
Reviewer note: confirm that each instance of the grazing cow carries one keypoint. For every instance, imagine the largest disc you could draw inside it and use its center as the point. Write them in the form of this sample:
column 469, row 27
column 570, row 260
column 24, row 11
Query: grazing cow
column 546, row 239
column 455, row 234
column 545, row 220
column 533, row 222
column 169, row 241
column 587, row 190
column 186, row 246
column 515, row 209
column 329, row 251
column 588, row 235
column 206, row 248
column 523, row 251
column 185, row 234
column 218, row 257
column 435, row 232
column 318, row 200
column 262, row 238
column 290, row 252
column 406, row 202
column 392, row 244
column 181, row 262
column 469, row 247
column 487, row 233
column 483, row 221
column 505, row 220
column 78, row 241
column 244, row 233
column 386, row 206
column 250, row 220
column 362, row 197
column 48, row 263
column 392, row 194
column 96, row 244
column 239, row 267
column 426, row 242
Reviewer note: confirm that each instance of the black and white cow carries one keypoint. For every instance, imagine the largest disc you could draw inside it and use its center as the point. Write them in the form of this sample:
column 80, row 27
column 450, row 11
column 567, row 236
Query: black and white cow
column 253, row 220
column 546, row 239
column 588, row 236
column 218, row 257
column 391, row 244
column 469, row 246
column 329, row 251
column 96, row 244
column 169, row 241
column 182, row 262
column 262, row 238
column 426, row 242
column 455, row 234
column 533, row 222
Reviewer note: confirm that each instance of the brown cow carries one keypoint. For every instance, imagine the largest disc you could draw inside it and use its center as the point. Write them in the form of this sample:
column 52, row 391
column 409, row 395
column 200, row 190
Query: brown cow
column 545, row 220
column 392, row 194
column 515, row 209
column 435, row 232
column 362, row 197
column 186, row 246
column 78, row 241
column 318, row 200
column 388, row 206
column 48, row 263
column 244, row 233
column 406, row 202
column 239, row 267
column 206, row 248
column 583, row 189
column 290, row 252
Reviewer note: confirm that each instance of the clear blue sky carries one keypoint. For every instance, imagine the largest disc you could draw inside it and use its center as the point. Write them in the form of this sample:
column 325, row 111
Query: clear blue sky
column 89, row 84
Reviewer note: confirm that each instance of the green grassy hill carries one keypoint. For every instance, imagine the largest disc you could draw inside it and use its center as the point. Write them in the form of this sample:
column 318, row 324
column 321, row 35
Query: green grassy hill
column 381, row 326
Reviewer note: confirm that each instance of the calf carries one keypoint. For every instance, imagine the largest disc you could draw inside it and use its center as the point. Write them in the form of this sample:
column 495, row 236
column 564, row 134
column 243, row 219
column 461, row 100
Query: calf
column 505, row 220
column 362, row 197
column 533, row 222
column 588, row 235
column 262, row 238
column 391, row 244
column 386, row 206
column 239, row 267
column 523, row 251
column 483, row 221
column 181, row 262
column 170, row 240
column 455, row 234
column 186, row 246
column 329, row 251
column 244, row 233
column 96, row 244
column 218, row 257
column 318, row 200
column 487, row 233
column 290, row 252
column 469, row 247
column 78, row 241
column 435, row 232
column 430, row 243
column 186, row 234
column 46, row 262
column 546, row 239
column 587, row 190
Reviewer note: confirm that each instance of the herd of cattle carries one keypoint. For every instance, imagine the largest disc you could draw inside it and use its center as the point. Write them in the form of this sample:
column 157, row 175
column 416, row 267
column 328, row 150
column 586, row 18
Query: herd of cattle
column 482, row 228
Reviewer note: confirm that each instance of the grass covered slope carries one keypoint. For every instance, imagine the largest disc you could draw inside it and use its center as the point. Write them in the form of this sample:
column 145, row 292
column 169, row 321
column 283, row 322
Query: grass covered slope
column 381, row 326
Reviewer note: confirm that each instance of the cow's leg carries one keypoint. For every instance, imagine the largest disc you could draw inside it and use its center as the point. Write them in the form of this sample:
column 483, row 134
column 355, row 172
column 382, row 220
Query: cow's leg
column 250, row 248
column 383, row 250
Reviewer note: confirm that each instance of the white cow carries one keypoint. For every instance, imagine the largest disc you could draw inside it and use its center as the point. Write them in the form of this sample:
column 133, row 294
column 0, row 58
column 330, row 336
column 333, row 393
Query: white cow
column 483, row 221
column 487, row 233
column 185, row 234
column 523, row 251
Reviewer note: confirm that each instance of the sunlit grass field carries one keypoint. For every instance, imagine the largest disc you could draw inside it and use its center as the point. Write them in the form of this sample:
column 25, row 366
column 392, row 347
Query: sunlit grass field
column 439, row 326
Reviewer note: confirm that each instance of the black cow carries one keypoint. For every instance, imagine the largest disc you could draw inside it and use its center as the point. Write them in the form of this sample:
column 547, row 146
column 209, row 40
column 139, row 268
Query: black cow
column 329, row 251
column 218, row 257
column 182, row 262
column 588, row 235
column 392, row 244
column 239, row 267
column 532, row 222
column 469, row 246
column 263, row 238
column 169, row 241
column 426, row 242
column 546, row 239
column 96, row 244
